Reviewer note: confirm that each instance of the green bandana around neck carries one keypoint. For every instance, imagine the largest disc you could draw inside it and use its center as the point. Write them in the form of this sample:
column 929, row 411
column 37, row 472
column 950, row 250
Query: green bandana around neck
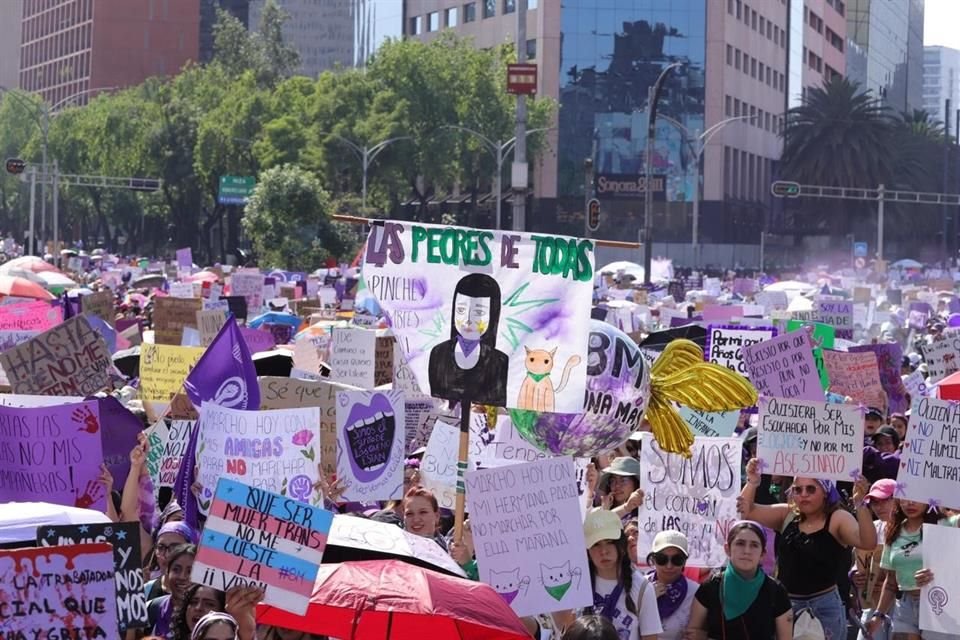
column 537, row 377
column 737, row 593
column 558, row 591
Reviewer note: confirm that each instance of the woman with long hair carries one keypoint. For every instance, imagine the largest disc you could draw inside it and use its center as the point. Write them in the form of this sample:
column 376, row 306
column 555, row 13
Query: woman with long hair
column 902, row 562
column 171, row 535
column 622, row 596
column 177, row 578
column 675, row 591
column 866, row 576
column 813, row 550
column 421, row 515
column 591, row 628
column 198, row 601
column 741, row 602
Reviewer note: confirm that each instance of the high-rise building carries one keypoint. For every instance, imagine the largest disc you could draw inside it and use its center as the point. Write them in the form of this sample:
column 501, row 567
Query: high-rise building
column 334, row 33
column 10, row 44
column 73, row 47
column 885, row 50
column 941, row 81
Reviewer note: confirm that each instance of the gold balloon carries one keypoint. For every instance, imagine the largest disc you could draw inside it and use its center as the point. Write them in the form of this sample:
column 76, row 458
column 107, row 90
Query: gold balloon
column 681, row 375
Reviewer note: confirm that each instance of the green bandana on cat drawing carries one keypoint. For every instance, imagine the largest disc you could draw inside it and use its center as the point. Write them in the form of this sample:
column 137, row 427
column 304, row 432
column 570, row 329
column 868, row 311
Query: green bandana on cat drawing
column 558, row 590
column 537, row 377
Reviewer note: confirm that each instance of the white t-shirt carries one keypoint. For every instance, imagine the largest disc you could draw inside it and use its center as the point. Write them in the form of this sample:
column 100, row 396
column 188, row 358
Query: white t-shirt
column 675, row 626
column 631, row 626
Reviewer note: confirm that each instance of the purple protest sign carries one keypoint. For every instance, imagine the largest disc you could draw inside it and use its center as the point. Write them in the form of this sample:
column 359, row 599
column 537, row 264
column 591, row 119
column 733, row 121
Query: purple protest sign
column 119, row 436
column 889, row 358
column 837, row 314
column 185, row 258
column 52, row 454
column 258, row 340
column 783, row 367
column 282, row 333
column 721, row 313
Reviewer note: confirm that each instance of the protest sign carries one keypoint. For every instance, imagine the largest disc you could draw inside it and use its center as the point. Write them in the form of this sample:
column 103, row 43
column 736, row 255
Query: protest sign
column 353, row 356
column 717, row 313
column 383, row 360
column 929, row 472
column 237, row 305
column 58, row 592
column 370, row 454
column 528, row 535
column 837, row 314
column 70, row 359
column 916, row 385
column 52, row 454
column 783, row 367
column 35, row 316
column 725, row 344
column 275, row 450
column 438, row 467
column 715, row 424
column 695, row 495
column 889, row 360
column 171, row 315
column 310, row 351
column 420, row 413
column 490, row 298
column 259, row 538
column 163, row 369
column 862, row 295
column 173, row 437
column 772, row 300
column 249, row 286
column 823, row 337
column 942, row 355
column 127, row 567
column 853, row 374
column 100, row 304
column 181, row 290
column 938, row 607
column 810, row 439
column 185, row 258
column 209, row 323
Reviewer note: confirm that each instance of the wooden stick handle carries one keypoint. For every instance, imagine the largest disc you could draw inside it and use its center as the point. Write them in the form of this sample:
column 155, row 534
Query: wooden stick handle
column 462, row 458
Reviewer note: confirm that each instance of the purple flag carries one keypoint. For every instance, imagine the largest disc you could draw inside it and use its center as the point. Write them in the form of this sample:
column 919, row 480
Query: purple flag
column 224, row 375
column 118, row 434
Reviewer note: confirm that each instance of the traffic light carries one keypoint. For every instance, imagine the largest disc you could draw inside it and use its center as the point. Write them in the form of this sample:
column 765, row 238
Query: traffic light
column 593, row 214
column 16, row 166
column 785, row 189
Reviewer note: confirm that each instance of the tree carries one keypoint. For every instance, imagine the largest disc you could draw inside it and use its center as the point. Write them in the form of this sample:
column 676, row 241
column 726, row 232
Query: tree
column 264, row 52
column 288, row 220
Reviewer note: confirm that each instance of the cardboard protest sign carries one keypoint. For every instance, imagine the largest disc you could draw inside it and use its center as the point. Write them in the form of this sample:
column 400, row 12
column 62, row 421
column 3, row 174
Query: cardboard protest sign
column 438, row 467
column 490, row 298
column 420, row 413
column 853, row 374
column 889, row 361
column 528, row 535
column 163, row 369
column 271, row 450
column 58, row 592
column 717, row 424
column 383, row 360
column 100, row 304
column 52, row 454
column 725, row 344
column 696, row 496
column 181, row 290
column 171, row 315
column 128, row 570
column 70, row 359
column 309, row 351
column 810, row 439
column 938, row 607
column 35, row 316
column 209, row 323
column 370, row 454
column 353, row 356
column 942, row 355
column 259, row 538
column 928, row 463
column 783, row 367
column 249, row 286
column 823, row 337
column 837, row 314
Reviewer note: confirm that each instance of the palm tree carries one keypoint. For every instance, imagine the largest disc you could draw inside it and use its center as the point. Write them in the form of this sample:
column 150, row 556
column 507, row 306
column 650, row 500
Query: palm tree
column 920, row 122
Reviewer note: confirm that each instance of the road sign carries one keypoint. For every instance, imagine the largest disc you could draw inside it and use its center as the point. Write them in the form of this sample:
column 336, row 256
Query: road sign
column 235, row 189
column 785, row 189
column 16, row 166
column 593, row 214
column 522, row 79
column 859, row 249
column 859, row 263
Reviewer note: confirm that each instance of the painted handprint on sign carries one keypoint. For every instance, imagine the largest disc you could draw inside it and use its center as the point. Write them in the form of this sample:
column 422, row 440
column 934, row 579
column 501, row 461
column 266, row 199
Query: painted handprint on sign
column 92, row 495
column 87, row 419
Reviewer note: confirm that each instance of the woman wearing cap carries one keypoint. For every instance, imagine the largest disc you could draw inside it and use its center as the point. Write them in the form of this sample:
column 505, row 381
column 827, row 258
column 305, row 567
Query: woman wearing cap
column 902, row 562
column 675, row 591
column 621, row 483
column 619, row 594
column 812, row 550
column 741, row 602
column 867, row 576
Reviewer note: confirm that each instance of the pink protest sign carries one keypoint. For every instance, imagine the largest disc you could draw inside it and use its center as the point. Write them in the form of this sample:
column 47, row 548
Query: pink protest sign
column 721, row 313
column 854, row 374
column 783, row 367
column 52, row 454
column 58, row 592
column 29, row 316
column 258, row 340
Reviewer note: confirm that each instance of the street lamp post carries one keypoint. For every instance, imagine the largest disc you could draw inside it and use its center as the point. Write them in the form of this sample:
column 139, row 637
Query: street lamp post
column 366, row 154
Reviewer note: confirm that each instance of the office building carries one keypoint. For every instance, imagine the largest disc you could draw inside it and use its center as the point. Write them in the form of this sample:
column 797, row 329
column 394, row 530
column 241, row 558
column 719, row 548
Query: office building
column 885, row 50
column 10, row 44
column 941, row 81
column 73, row 47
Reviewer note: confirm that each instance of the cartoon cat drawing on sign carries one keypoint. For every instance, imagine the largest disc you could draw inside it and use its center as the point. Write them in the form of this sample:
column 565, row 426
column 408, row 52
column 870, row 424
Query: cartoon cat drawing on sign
column 509, row 583
column 557, row 580
column 537, row 392
column 469, row 363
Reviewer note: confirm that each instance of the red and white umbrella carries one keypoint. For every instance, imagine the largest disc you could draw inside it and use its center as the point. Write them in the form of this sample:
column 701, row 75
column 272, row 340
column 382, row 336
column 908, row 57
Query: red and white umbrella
column 23, row 288
column 35, row 264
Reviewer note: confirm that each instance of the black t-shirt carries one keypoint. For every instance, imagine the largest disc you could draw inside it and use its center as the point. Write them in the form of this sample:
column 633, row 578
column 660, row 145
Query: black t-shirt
column 757, row 623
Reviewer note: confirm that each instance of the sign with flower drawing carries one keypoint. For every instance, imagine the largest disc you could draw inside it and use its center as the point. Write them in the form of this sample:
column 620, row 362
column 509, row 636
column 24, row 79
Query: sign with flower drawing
column 370, row 439
column 277, row 450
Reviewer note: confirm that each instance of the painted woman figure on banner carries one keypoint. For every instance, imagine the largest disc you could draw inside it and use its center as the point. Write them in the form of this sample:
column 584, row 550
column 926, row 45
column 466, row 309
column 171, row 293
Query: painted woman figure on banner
column 469, row 362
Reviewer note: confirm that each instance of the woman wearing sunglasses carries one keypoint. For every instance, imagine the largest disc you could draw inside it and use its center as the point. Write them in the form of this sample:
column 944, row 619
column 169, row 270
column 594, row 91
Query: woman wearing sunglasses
column 675, row 592
column 813, row 548
column 741, row 602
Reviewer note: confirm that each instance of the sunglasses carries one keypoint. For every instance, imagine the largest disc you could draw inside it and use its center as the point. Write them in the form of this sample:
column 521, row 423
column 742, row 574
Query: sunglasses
column 804, row 490
column 663, row 559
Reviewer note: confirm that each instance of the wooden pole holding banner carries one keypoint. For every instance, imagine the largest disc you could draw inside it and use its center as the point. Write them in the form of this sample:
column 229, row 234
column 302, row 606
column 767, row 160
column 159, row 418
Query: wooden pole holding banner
column 462, row 458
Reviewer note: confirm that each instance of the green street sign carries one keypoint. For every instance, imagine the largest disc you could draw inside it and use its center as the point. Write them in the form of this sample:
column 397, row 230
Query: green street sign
column 235, row 189
column 785, row 189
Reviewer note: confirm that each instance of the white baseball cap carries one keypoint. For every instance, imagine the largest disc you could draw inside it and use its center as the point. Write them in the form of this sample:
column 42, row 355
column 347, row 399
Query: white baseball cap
column 666, row 539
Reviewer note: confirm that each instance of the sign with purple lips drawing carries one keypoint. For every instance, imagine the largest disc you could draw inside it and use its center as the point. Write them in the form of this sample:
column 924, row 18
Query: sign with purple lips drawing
column 370, row 432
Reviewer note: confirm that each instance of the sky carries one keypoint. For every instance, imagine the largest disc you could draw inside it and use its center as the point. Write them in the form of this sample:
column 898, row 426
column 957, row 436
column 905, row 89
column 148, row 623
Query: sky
column 940, row 21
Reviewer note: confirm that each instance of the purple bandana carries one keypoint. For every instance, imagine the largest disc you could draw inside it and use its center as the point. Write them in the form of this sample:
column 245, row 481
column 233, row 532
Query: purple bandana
column 467, row 346
column 672, row 598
